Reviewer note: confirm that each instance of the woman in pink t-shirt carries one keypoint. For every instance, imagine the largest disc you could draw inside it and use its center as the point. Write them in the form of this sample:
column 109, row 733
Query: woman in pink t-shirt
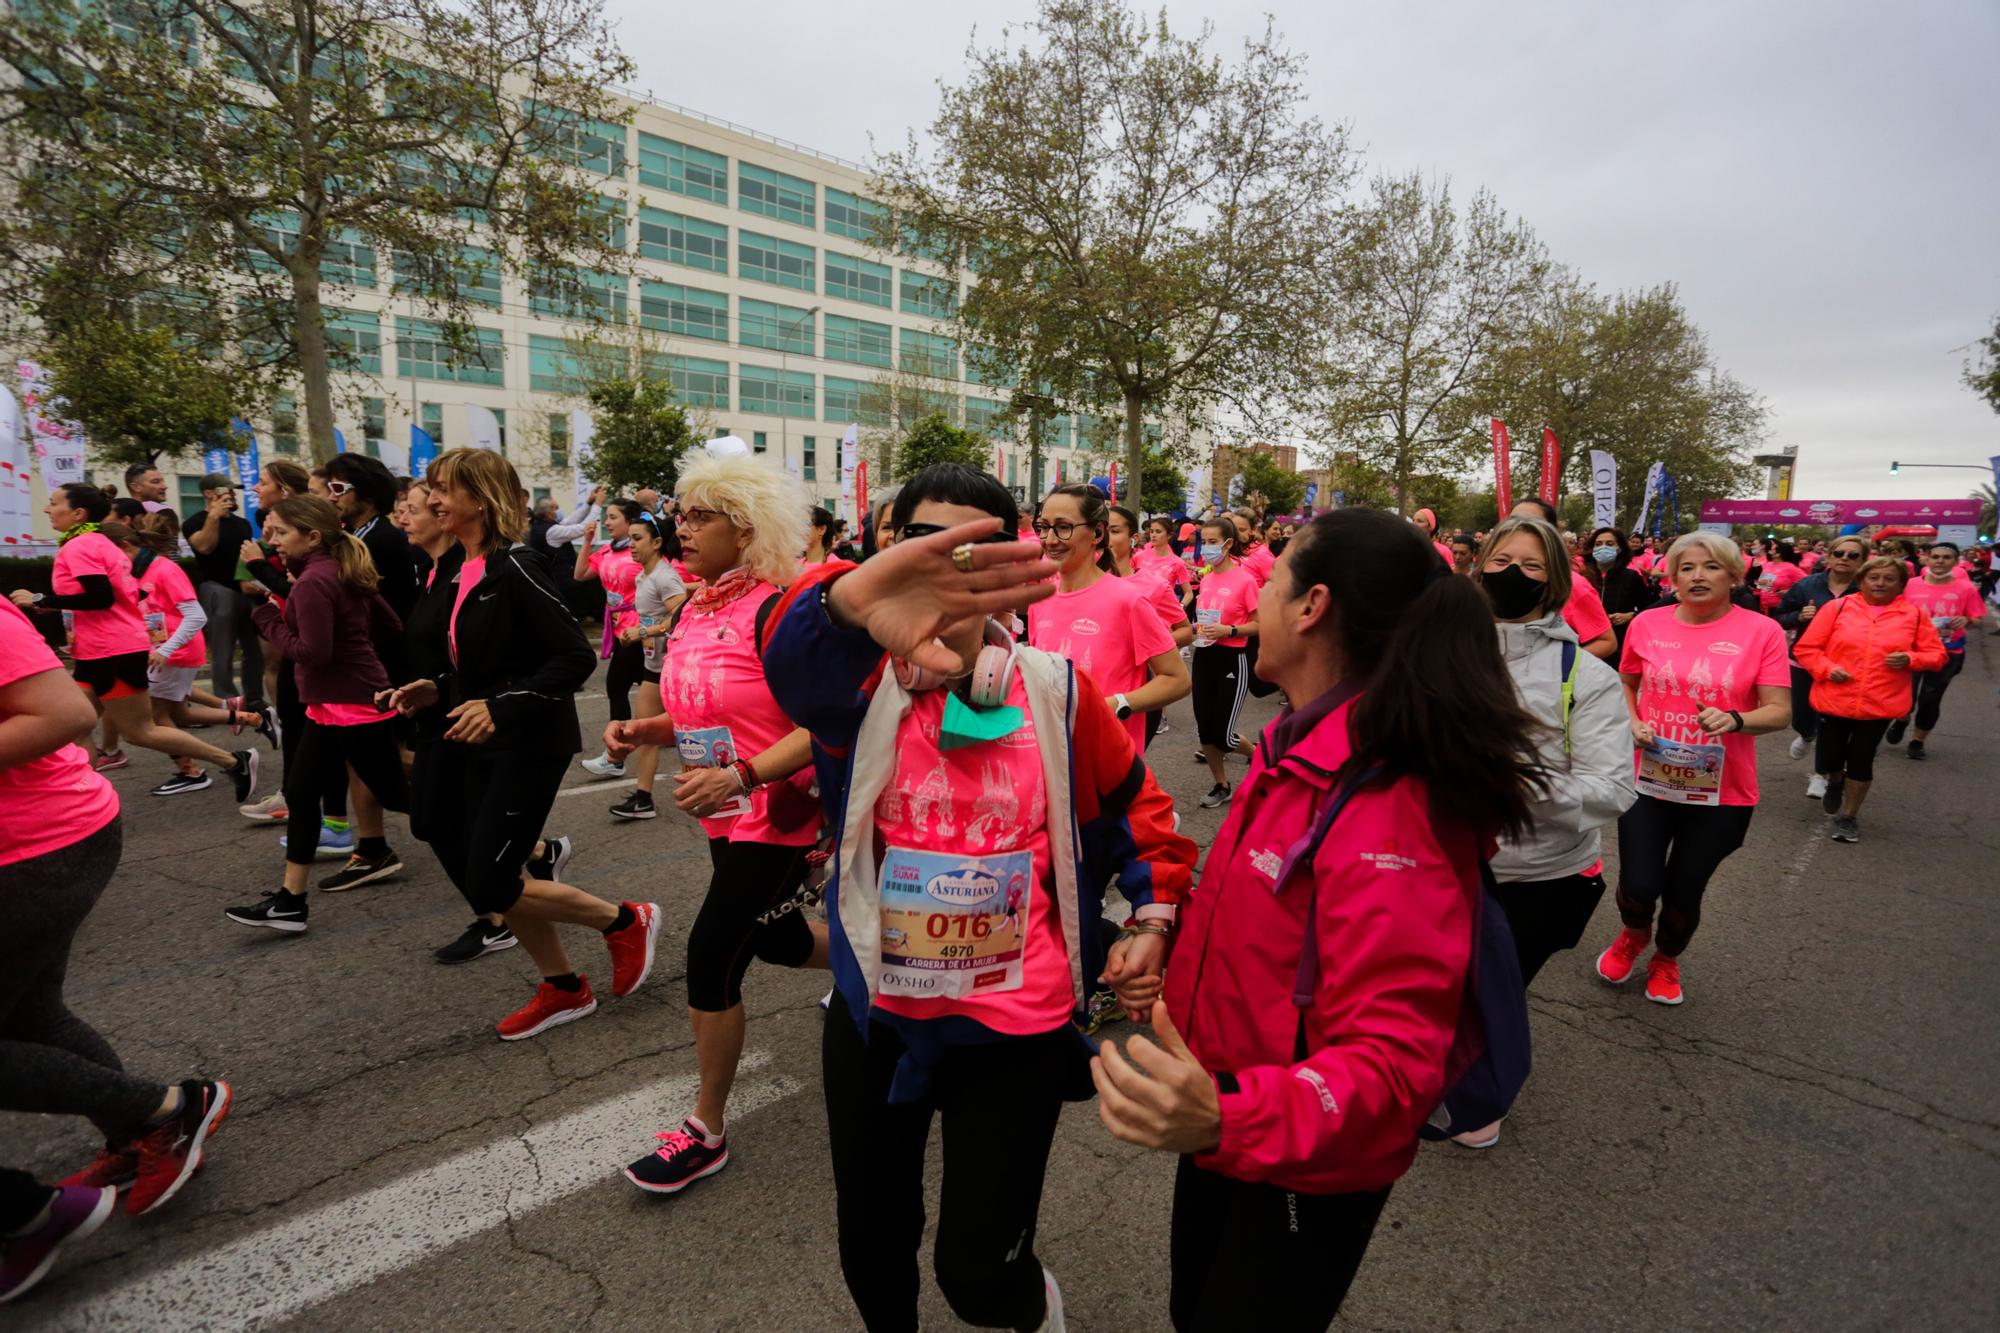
column 613, row 566
column 1158, row 559
column 1701, row 678
column 1162, row 582
column 109, row 644
column 1225, row 611
column 1105, row 625
column 742, row 526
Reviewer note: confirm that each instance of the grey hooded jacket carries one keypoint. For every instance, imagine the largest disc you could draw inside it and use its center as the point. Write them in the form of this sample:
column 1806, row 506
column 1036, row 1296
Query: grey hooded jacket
column 1592, row 784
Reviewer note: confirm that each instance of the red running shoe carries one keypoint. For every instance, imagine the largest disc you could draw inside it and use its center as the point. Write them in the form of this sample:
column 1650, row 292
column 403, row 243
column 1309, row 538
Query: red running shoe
column 550, row 1007
column 111, row 1168
column 170, row 1154
column 1617, row 964
column 1663, row 980
column 632, row 948
column 106, row 760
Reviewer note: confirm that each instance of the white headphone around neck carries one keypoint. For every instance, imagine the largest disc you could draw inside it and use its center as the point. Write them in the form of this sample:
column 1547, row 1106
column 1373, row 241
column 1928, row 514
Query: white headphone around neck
column 992, row 670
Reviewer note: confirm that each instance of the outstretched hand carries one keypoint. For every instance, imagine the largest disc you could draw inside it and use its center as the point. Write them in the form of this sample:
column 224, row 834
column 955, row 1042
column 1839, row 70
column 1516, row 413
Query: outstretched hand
column 1161, row 1097
column 908, row 596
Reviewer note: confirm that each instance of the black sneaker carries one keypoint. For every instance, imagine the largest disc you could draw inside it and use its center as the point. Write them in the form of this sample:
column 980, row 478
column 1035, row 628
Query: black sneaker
column 181, row 782
column 1894, row 736
column 1917, row 750
column 683, row 1158
column 1201, row 756
column 361, row 870
column 1217, row 795
column 1847, row 829
column 245, row 774
column 549, row 866
column 1835, row 786
column 277, row 910
column 639, row 805
column 269, row 729
column 478, row 940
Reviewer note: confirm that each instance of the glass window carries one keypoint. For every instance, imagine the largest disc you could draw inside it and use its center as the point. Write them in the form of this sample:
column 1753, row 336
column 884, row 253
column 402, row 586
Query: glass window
column 374, row 424
column 558, row 439
column 776, row 195
column 578, row 294
column 285, row 424
column 768, row 259
column 929, row 354
column 775, row 392
column 475, row 275
column 851, row 215
column 782, row 328
column 842, row 398
column 431, row 418
column 688, row 311
column 858, row 340
column 926, row 295
column 697, row 382
column 677, row 239
column 346, row 260
column 809, row 457
column 553, row 365
column 354, row 340
column 982, row 413
column 858, row 279
column 594, row 145
column 683, row 168
column 759, row 442
column 423, row 354
column 610, row 213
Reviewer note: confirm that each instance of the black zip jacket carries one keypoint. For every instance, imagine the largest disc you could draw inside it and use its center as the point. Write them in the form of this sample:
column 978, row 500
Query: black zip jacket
column 520, row 650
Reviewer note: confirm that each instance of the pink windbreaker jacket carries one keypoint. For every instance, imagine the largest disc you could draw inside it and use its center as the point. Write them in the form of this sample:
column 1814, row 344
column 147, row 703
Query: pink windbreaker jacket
column 1395, row 901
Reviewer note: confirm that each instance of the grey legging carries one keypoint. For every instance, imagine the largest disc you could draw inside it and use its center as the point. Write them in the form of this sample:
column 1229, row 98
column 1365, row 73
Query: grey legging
column 51, row 1061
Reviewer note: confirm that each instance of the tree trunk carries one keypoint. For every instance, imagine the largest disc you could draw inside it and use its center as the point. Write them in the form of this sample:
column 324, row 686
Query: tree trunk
column 1403, row 481
column 315, row 374
column 1038, row 421
column 1135, row 446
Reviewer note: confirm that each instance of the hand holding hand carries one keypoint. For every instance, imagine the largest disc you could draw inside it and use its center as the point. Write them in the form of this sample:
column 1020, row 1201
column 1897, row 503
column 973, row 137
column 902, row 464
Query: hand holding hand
column 1134, row 969
column 473, row 724
column 1161, row 1097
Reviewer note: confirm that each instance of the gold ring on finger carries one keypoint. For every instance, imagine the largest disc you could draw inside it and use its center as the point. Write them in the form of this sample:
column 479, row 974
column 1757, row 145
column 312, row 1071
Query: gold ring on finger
column 961, row 557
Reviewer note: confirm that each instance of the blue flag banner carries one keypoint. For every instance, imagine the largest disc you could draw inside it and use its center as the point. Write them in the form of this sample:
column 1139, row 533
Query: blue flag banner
column 249, row 466
column 339, row 441
column 422, row 450
column 1312, row 494
column 215, row 458
column 1339, row 499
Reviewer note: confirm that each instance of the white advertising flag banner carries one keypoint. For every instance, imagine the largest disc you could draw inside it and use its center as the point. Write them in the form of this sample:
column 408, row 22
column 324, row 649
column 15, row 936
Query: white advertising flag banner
column 582, row 430
column 482, row 428
column 1653, row 475
column 58, row 444
column 16, row 507
column 1604, row 487
column 850, row 454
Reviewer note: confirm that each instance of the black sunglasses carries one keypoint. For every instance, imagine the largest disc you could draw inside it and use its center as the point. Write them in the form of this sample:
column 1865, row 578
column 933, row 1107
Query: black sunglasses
column 912, row 531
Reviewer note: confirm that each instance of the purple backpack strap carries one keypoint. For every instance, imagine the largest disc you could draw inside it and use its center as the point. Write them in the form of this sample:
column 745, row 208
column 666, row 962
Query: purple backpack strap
column 1301, row 854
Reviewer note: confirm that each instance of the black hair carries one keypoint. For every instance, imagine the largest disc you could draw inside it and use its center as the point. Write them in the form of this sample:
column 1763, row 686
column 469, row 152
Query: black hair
column 955, row 484
column 632, row 509
column 1786, row 551
column 821, row 517
column 369, row 476
column 95, row 504
column 1462, row 539
column 1547, row 510
column 1232, row 536
column 126, row 508
column 1437, row 701
column 1950, row 546
column 1595, row 573
column 1090, row 502
column 1136, row 535
column 136, row 471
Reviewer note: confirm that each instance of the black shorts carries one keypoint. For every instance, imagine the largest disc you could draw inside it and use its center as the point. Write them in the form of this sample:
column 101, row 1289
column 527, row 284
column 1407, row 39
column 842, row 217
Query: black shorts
column 112, row 677
column 649, row 677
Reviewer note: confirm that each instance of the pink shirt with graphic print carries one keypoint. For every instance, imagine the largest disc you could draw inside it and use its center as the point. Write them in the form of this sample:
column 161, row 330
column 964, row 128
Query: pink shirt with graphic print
column 619, row 573
column 1110, row 630
column 1227, row 597
column 1685, row 668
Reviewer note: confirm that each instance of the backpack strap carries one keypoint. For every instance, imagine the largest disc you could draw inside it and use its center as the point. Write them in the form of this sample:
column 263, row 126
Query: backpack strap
column 1301, row 854
column 1569, row 687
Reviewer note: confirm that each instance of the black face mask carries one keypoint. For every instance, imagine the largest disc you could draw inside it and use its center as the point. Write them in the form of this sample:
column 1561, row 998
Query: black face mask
column 1513, row 592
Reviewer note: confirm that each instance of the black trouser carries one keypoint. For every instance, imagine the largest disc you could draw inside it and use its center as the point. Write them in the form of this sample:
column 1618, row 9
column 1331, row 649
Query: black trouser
column 1847, row 745
column 51, row 1061
column 489, row 814
column 1931, row 686
column 628, row 661
column 22, row 1199
column 753, row 910
column 292, row 730
column 1547, row 916
column 1804, row 720
column 1221, row 679
column 999, row 1102
column 1667, row 853
column 318, row 771
column 1256, row 1256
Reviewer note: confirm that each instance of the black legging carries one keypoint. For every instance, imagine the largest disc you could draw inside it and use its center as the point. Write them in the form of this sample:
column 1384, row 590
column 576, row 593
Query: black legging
column 292, row 730
column 1805, row 721
column 485, row 815
column 1931, row 686
column 1251, row 1255
column 1221, row 680
column 1847, row 745
column 999, row 1101
column 628, row 664
column 320, row 767
column 753, row 910
column 1667, row 853
column 1547, row 916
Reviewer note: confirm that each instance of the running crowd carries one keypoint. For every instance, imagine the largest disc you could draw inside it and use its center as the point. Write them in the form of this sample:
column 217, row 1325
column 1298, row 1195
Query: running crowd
column 921, row 762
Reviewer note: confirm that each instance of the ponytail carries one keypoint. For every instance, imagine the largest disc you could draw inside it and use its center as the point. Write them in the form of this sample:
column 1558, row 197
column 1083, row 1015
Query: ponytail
column 1437, row 701
column 309, row 513
column 357, row 567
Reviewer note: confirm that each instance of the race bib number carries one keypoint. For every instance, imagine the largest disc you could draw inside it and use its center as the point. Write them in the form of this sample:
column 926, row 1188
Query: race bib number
column 614, row 600
column 712, row 747
column 1681, row 771
column 156, row 621
column 952, row 925
column 654, row 647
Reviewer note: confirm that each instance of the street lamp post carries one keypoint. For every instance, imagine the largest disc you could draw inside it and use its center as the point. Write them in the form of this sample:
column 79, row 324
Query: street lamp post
column 1894, row 468
column 784, row 386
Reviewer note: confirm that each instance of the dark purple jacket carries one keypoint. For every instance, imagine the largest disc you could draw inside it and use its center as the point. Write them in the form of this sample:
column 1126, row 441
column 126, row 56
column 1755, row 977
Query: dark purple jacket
column 328, row 631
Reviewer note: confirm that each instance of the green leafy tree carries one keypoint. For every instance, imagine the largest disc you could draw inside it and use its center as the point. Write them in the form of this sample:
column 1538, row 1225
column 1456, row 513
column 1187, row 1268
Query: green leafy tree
column 1984, row 494
column 1982, row 368
column 1162, row 486
column 140, row 394
column 1268, row 487
column 271, row 160
column 1147, row 228
column 935, row 440
column 641, row 434
column 1426, row 294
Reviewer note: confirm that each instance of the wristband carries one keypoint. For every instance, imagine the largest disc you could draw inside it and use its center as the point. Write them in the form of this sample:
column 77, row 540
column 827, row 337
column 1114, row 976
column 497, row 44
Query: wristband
column 1738, row 716
column 1144, row 928
column 1124, row 709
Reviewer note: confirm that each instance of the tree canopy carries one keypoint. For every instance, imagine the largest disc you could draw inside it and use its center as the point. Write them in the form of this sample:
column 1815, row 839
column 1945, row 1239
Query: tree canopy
column 1268, row 487
column 934, row 439
column 640, row 435
column 1982, row 369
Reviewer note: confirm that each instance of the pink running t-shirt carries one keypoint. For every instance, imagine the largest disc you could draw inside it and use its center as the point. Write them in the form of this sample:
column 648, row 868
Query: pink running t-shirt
column 1166, row 566
column 1227, row 597
column 116, row 630
column 619, row 573
column 55, row 800
column 1109, row 630
column 981, row 800
column 1685, row 668
column 1584, row 611
column 1260, row 562
column 166, row 586
column 1941, row 601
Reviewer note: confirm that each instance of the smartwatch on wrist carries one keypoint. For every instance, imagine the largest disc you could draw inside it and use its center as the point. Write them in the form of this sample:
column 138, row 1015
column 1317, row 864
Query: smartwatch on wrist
column 1739, row 718
column 1124, row 709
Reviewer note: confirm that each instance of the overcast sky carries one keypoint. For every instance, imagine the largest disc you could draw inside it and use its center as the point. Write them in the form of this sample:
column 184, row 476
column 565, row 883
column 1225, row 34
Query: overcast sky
column 1821, row 179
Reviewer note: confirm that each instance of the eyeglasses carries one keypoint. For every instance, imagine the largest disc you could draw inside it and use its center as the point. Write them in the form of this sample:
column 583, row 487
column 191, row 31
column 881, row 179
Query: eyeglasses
column 1061, row 527
column 912, row 531
column 697, row 518
column 1849, row 554
column 338, row 488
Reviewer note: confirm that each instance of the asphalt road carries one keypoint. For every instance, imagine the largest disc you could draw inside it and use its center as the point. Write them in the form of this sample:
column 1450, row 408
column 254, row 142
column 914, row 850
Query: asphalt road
column 1812, row 1141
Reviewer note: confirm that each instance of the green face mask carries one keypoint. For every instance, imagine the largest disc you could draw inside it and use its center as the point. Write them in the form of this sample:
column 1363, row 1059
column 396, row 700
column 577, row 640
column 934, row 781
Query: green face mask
column 965, row 725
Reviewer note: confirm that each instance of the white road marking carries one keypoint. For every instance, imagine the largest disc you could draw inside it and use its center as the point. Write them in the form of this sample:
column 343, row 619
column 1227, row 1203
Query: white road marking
column 294, row 1265
column 585, row 788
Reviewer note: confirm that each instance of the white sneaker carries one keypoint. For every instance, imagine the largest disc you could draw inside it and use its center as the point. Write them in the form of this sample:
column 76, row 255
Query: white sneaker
column 1815, row 786
column 1052, row 1322
column 1799, row 747
column 603, row 767
column 268, row 810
